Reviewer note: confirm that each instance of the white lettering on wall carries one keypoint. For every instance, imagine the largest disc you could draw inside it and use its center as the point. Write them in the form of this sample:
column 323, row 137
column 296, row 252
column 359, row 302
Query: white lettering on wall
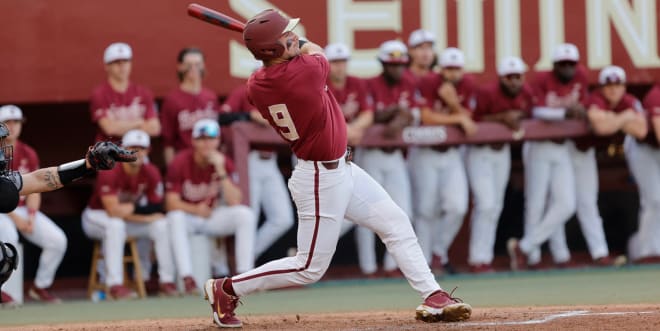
column 636, row 25
column 346, row 16
column 551, row 13
column 507, row 28
column 471, row 33
column 434, row 19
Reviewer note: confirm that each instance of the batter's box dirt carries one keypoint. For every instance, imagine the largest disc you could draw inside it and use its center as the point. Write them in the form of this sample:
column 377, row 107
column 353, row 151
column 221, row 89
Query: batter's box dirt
column 582, row 318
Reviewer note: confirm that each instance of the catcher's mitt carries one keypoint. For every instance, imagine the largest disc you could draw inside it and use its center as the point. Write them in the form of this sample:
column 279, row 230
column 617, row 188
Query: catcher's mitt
column 103, row 155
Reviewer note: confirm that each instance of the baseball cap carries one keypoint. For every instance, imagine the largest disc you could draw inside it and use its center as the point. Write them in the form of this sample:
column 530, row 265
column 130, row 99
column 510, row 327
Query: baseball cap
column 452, row 57
column 136, row 138
column 117, row 51
column 566, row 52
column 511, row 65
column 612, row 75
column 337, row 52
column 206, row 128
column 393, row 51
column 10, row 113
column 420, row 36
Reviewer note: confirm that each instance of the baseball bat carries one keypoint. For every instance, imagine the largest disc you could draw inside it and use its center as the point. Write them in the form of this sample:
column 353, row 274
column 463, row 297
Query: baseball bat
column 211, row 16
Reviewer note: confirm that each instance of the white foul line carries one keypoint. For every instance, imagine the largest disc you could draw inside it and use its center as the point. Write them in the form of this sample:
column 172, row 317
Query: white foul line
column 551, row 317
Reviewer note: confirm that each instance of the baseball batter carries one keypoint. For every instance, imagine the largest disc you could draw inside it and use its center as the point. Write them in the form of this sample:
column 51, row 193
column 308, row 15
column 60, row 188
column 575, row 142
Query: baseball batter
column 564, row 90
column 196, row 179
column 438, row 173
column 267, row 185
column 506, row 101
column 119, row 105
column 187, row 103
column 34, row 225
column 291, row 92
column 127, row 202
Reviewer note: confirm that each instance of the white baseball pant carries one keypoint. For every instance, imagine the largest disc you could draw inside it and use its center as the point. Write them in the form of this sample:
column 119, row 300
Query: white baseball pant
column 557, row 242
column 113, row 231
column 441, row 198
column 644, row 163
column 488, row 172
column 549, row 196
column 46, row 235
column 390, row 171
column 236, row 220
column 268, row 190
column 585, row 168
column 324, row 198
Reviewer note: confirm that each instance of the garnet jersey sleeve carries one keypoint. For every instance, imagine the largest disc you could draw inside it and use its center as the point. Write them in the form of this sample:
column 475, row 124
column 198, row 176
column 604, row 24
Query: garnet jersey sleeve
column 154, row 185
column 652, row 102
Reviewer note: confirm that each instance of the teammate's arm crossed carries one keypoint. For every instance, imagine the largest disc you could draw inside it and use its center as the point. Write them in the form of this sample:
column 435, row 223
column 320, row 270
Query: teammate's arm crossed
column 173, row 201
column 115, row 208
column 605, row 122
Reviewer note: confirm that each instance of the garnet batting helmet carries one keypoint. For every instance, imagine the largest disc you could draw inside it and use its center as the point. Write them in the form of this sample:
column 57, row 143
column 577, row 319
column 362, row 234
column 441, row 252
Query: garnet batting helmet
column 262, row 32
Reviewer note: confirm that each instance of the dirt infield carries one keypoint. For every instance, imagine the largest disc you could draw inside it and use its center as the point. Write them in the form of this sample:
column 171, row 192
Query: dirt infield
column 620, row 317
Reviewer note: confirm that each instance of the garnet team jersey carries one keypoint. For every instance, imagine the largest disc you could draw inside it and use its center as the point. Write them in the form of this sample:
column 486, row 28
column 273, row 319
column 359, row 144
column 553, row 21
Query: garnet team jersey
column 652, row 108
column 465, row 88
column 403, row 94
column 238, row 101
column 551, row 92
column 194, row 183
column 491, row 100
column 145, row 187
column 353, row 97
column 627, row 102
column 137, row 102
column 25, row 161
column 294, row 98
column 181, row 110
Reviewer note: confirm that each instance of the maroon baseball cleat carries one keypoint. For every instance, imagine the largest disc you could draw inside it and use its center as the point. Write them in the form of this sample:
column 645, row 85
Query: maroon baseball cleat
column 190, row 285
column 482, row 268
column 222, row 304
column 168, row 290
column 517, row 256
column 121, row 292
column 440, row 306
column 40, row 294
column 7, row 300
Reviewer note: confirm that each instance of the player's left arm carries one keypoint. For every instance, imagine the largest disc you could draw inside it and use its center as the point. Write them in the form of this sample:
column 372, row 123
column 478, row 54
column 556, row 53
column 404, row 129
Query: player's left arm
column 655, row 121
column 101, row 156
column 310, row 48
column 636, row 126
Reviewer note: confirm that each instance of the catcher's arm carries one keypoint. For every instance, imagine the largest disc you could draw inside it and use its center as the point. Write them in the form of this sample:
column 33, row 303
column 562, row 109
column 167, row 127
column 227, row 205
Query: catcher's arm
column 101, row 156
